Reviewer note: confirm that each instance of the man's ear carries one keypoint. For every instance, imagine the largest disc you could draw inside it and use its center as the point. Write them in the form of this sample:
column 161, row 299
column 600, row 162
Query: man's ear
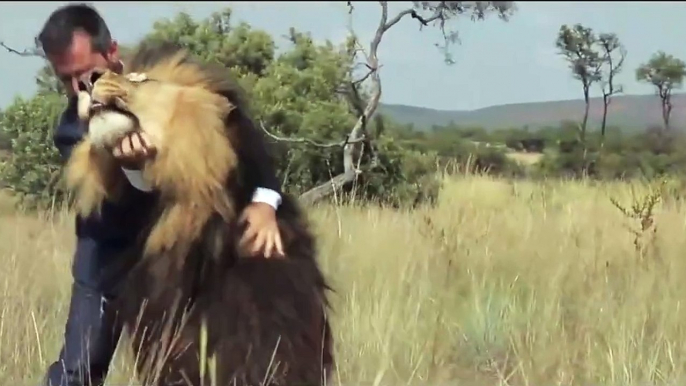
column 113, row 58
column 113, row 49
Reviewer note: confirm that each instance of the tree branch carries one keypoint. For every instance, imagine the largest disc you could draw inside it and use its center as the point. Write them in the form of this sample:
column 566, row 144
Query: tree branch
column 308, row 141
column 25, row 53
column 362, row 79
column 315, row 194
column 438, row 15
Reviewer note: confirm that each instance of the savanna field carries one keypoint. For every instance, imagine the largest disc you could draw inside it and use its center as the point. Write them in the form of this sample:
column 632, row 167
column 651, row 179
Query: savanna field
column 503, row 283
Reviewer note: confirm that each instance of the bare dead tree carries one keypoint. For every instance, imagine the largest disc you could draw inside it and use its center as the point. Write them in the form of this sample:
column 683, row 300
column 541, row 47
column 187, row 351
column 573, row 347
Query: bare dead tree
column 426, row 13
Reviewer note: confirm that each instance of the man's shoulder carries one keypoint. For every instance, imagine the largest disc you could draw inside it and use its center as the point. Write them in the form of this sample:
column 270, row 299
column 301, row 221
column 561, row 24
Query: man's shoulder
column 69, row 113
column 67, row 131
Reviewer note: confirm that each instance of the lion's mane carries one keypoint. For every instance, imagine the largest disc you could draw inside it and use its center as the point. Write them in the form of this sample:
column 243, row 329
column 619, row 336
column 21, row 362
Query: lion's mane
column 260, row 321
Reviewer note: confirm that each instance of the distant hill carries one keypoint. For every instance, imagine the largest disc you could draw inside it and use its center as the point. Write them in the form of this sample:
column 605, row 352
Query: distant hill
column 630, row 112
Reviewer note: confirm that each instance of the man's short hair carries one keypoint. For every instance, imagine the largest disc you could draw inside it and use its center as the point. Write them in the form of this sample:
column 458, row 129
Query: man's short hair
column 58, row 32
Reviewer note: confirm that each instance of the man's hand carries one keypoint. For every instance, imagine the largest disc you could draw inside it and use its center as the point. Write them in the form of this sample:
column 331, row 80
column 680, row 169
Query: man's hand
column 133, row 150
column 262, row 230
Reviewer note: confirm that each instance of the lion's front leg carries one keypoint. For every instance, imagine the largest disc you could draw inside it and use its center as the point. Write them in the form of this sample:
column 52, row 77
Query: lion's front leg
column 92, row 175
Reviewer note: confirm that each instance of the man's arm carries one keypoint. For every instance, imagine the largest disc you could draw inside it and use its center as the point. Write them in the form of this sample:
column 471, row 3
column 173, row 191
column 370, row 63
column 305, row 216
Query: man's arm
column 253, row 152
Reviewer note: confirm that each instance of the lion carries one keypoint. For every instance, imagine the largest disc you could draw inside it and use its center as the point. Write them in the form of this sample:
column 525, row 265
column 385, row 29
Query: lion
column 191, row 296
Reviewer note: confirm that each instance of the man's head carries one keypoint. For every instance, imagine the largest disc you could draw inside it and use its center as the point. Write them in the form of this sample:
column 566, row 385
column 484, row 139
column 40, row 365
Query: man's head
column 76, row 41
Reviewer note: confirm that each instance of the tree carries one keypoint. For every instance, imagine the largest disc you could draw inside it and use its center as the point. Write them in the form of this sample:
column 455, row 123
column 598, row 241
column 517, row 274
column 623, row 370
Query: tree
column 217, row 39
column 613, row 54
column 576, row 45
column 666, row 73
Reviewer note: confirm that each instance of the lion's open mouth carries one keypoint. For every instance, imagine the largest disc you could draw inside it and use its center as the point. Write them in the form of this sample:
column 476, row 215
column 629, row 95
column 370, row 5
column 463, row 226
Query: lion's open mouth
column 98, row 108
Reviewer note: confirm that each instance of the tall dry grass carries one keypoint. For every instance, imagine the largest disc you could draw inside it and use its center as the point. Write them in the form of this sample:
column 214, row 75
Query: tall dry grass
column 504, row 283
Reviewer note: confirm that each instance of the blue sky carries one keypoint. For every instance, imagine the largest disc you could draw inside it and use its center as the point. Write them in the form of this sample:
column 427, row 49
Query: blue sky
column 496, row 63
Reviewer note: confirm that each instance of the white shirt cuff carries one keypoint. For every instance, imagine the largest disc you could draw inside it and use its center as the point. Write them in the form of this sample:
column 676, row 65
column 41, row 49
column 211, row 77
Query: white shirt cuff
column 264, row 195
column 267, row 196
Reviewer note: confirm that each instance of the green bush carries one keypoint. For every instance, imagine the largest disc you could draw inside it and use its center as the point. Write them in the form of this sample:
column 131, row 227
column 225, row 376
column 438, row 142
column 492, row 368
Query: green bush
column 32, row 168
column 402, row 178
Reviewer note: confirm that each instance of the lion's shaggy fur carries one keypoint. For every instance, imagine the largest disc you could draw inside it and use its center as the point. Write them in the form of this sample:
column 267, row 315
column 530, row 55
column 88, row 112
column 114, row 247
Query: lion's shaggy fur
column 264, row 319
column 192, row 165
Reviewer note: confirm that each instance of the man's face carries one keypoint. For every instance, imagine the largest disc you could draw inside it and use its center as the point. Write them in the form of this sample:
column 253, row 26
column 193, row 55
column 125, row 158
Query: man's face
column 79, row 61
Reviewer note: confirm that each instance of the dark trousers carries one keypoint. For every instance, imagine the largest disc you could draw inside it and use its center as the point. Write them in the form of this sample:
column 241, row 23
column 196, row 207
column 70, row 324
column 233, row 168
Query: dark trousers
column 92, row 330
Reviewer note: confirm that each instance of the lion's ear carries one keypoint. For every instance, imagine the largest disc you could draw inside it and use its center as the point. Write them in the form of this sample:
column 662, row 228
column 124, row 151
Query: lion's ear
column 225, row 105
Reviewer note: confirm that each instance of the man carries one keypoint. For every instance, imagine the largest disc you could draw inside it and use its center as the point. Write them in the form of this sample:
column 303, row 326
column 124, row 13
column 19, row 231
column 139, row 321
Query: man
column 76, row 40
